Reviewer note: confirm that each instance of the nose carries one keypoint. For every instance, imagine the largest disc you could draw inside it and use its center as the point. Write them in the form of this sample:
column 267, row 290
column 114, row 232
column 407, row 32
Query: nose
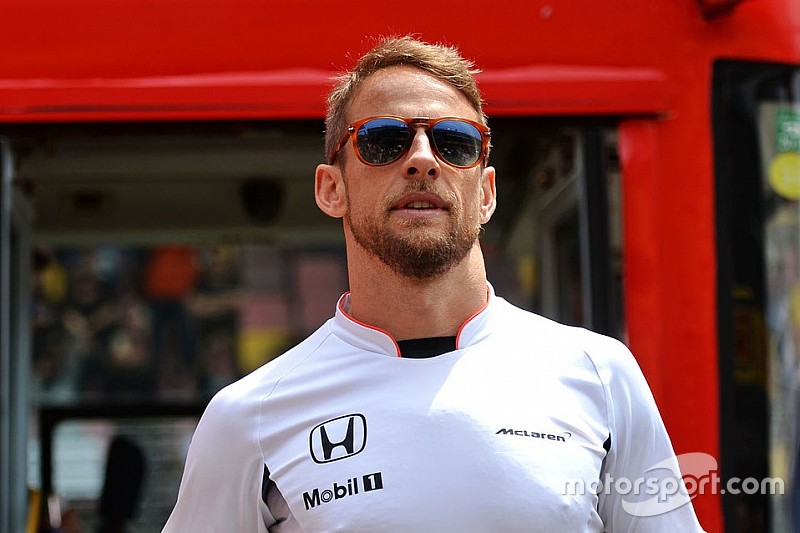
column 420, row 162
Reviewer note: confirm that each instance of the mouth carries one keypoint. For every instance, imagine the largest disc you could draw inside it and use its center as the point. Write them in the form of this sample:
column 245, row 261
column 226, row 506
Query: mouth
column 419, row 202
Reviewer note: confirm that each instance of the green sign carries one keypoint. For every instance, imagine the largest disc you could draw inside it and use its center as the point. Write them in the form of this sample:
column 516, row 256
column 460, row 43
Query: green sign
column 787, row 137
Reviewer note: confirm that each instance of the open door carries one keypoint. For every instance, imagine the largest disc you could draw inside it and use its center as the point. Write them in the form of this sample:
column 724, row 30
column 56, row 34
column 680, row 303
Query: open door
column 196, row 253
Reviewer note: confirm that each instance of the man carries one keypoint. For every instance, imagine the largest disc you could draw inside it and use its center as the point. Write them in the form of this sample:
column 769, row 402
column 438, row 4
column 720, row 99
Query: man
column 427, row 404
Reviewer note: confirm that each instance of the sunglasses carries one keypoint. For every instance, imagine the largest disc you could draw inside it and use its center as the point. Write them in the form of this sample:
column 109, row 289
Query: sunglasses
column 383, row 140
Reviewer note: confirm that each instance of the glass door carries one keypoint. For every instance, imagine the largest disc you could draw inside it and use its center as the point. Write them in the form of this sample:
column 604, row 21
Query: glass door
column 757, row 157
column 779, row 136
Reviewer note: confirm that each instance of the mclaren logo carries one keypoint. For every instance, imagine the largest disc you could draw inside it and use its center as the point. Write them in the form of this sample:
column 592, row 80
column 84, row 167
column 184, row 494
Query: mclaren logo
column 338, row 438
column 561, row 437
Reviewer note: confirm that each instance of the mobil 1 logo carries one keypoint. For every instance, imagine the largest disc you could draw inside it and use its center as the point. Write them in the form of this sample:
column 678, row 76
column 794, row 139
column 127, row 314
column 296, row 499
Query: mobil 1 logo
column 352, row 487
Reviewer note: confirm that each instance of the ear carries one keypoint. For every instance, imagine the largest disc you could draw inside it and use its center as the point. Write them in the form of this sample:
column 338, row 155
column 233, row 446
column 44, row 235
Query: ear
column 329, row 190
column 488, row 194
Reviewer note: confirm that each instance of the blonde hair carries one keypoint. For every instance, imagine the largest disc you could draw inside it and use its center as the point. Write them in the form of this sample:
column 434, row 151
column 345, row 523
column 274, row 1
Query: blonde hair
column 442, row 61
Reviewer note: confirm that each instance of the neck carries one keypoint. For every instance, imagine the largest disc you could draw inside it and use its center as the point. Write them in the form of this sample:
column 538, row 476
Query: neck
column 411, row 308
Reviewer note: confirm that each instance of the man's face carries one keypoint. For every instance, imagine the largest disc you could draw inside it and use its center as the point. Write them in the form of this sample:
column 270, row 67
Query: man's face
column 418, row 215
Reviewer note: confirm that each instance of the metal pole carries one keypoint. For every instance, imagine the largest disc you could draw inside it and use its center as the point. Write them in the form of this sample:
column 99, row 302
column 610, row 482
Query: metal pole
column 15, row 353
column 5, row 336
column 21, row 352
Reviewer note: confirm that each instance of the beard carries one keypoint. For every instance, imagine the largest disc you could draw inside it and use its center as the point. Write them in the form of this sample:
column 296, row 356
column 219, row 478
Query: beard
column 421, row 251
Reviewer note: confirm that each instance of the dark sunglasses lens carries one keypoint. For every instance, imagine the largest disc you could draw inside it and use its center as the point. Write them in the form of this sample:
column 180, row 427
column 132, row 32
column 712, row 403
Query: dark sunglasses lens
column 382, row 140
column 459, row 143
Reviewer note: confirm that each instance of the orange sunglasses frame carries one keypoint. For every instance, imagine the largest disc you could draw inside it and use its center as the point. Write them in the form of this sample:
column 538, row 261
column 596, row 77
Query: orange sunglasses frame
column 413, row 124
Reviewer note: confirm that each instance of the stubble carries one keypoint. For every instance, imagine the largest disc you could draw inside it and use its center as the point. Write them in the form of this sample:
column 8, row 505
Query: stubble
column 417, row 250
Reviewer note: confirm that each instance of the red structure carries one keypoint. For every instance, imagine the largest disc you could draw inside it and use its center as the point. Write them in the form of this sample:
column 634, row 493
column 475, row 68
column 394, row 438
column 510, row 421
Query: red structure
column 649, row 66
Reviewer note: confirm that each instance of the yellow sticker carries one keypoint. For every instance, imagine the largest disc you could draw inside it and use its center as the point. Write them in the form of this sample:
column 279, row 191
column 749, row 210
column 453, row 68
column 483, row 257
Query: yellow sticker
column 784, row 175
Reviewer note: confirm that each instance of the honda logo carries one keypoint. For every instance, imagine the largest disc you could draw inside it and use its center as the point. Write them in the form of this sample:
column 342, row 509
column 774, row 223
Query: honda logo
column 338, row 438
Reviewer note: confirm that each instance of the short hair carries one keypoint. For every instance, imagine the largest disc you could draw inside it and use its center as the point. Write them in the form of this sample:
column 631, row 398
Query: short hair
column 442, row 61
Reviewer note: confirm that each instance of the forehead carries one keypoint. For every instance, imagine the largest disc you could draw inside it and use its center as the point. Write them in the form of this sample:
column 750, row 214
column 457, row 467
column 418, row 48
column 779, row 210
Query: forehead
column 409, row 92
